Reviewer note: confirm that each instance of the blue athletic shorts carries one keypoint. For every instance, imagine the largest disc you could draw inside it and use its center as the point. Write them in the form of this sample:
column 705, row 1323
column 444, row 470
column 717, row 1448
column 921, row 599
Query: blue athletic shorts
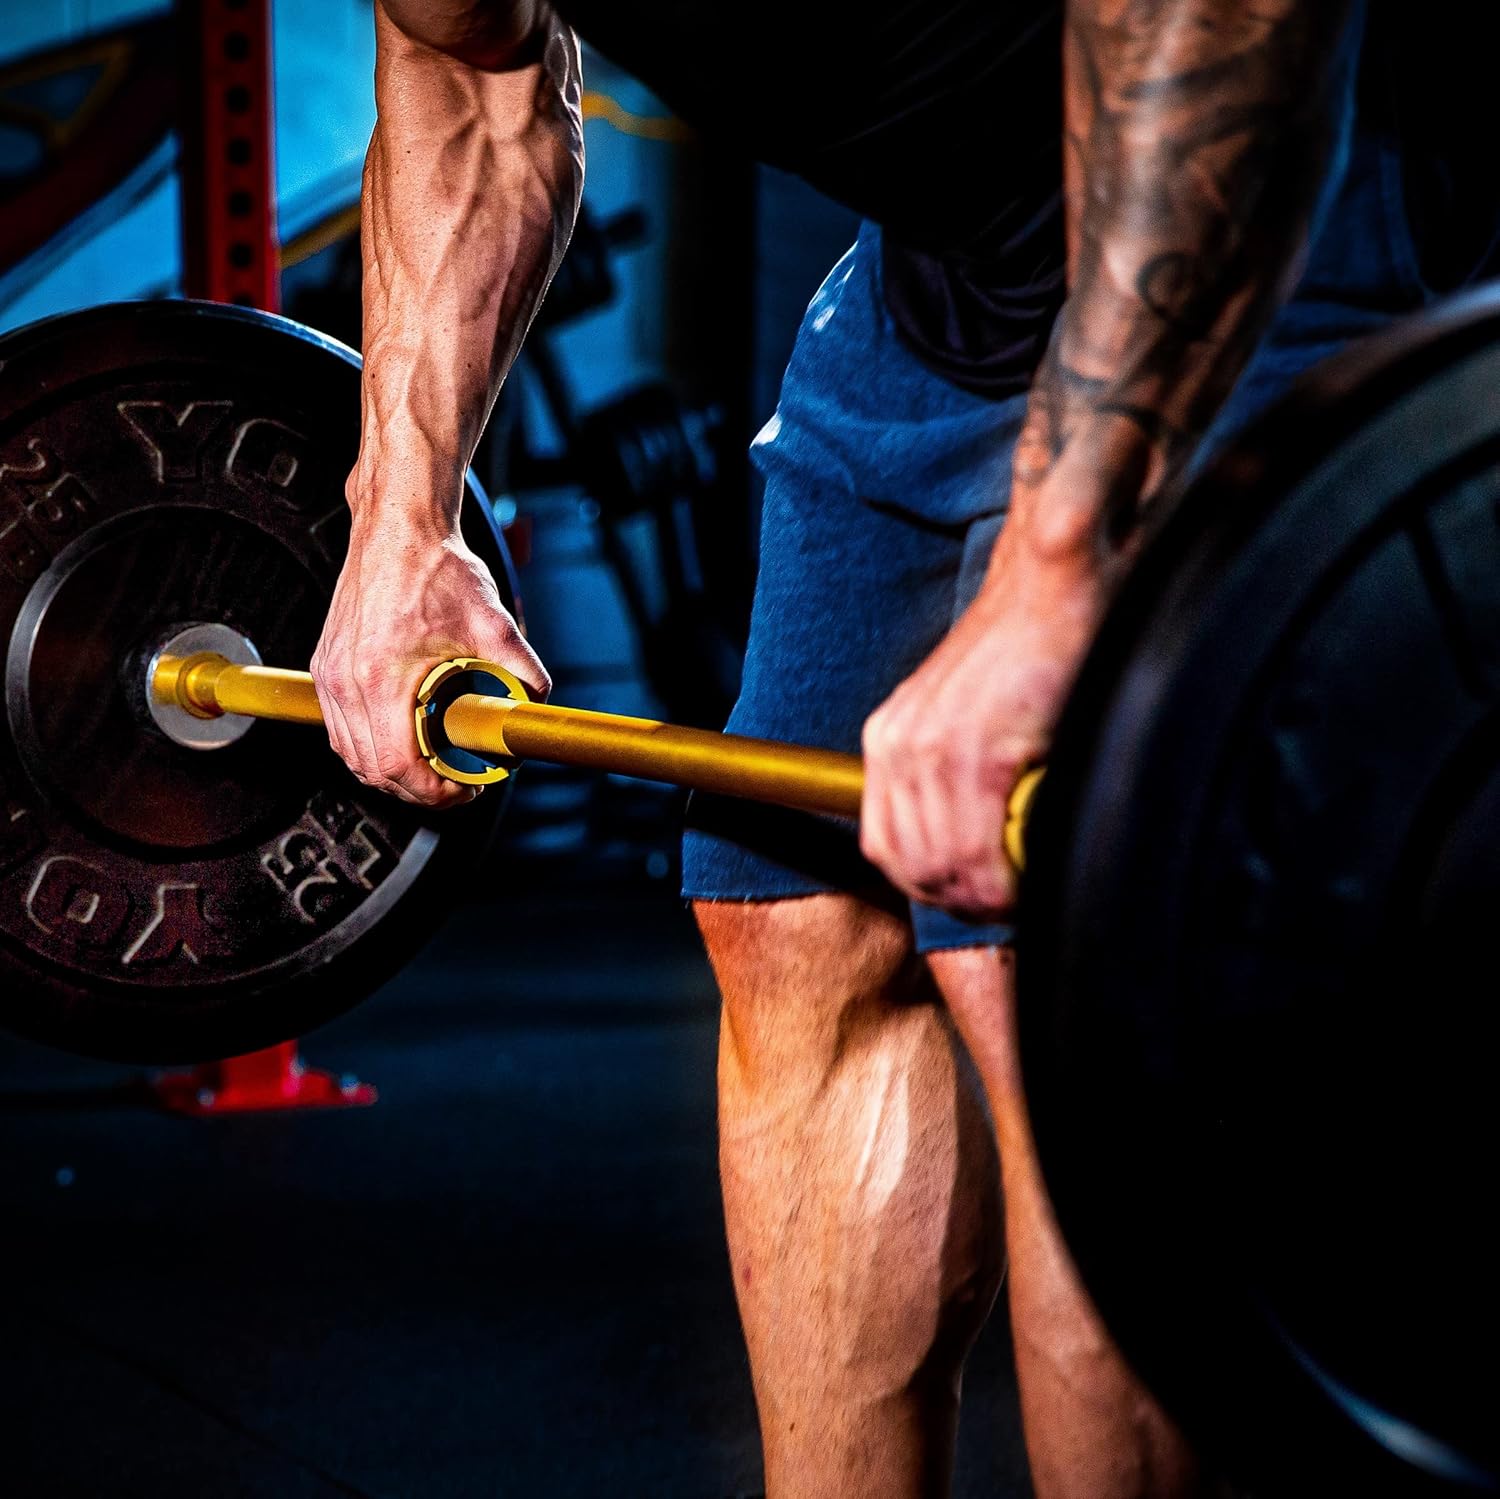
column 885, row 487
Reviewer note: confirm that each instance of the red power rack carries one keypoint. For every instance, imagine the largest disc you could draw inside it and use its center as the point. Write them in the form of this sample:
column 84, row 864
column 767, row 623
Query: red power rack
column 230, row 253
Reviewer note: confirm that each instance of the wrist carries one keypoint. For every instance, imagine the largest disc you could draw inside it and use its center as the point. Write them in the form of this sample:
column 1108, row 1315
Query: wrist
column 1068, row 579
column 406, row 486
column 1083, row 511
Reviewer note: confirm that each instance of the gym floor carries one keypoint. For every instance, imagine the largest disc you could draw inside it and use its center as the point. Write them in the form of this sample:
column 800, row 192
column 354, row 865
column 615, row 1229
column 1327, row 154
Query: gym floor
column 507, row 1278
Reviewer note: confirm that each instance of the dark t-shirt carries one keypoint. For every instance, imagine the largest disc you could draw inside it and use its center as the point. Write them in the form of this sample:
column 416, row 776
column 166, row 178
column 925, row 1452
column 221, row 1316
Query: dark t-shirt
column 942, row 121
column 939, row 119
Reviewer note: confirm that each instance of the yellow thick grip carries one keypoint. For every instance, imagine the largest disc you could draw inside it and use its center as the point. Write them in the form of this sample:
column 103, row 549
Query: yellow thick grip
column 1018, row 815
column 502, row 730
column 477, row 764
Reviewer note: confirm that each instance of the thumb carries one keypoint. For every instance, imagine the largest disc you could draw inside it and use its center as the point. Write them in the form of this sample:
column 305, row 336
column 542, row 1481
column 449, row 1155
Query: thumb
column 509, row 648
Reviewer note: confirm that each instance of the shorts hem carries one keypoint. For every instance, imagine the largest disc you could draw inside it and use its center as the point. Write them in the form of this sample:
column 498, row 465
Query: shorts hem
column 757, row 897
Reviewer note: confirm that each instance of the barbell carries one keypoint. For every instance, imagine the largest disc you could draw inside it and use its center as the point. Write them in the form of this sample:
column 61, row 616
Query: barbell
column 474, row 721
column 1256, row 978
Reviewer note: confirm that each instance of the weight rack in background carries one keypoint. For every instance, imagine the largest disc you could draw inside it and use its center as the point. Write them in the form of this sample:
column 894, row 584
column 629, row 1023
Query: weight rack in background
column 230, row 253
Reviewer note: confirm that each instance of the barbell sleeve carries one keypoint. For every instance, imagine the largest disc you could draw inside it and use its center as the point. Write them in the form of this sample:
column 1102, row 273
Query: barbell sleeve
column 762, row 770
column 208, row 685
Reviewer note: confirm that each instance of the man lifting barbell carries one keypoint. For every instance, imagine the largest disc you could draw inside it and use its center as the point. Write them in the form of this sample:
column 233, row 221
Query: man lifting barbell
column 1204, row 141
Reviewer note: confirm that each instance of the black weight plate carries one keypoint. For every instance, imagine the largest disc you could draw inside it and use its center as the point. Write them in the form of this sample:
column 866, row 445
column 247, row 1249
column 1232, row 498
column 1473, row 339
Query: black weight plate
column 1258, row 988
column 165, row 464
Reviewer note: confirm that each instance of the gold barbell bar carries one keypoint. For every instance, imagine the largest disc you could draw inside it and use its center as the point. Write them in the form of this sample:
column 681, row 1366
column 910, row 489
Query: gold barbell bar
column 762, row 770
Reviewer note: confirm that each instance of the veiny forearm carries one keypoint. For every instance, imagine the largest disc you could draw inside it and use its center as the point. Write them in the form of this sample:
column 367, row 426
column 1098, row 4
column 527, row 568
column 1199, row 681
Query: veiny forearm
column 471, row 191
column 1198, row 136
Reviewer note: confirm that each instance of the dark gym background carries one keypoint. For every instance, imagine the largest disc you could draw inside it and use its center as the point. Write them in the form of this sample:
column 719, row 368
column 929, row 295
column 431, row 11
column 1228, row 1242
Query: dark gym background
column 508, row 1276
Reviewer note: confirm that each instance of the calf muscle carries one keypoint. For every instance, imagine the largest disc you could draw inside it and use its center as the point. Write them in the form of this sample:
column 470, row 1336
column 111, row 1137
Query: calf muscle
column 1092, row 1429
column 860, row 1190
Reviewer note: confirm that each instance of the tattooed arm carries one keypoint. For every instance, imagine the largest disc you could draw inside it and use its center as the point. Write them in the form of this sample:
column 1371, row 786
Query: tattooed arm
column 471, row 190
column 1198, row 136
column 1198, row 133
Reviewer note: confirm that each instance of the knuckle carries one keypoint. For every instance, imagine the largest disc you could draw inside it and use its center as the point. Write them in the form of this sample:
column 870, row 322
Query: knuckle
column 931, row 745
column 972, row 850
column 390, row 766
column 368, row 676
column 414, row 781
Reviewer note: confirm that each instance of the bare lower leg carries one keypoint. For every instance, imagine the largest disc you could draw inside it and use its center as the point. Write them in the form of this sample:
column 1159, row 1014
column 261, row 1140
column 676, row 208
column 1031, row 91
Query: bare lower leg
column 1092, row 1430
column 860, row 1195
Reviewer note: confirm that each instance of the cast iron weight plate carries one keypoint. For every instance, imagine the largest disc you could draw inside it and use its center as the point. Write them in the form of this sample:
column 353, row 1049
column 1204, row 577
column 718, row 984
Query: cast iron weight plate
column 164, row 464
column 1258, row 964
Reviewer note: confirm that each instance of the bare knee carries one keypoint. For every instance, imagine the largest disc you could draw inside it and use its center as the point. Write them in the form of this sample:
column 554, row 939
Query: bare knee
column 805, row 980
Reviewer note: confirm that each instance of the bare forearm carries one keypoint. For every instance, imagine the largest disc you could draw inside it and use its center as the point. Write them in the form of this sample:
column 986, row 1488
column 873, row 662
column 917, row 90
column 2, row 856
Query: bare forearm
column 470, row 194
column 1198, row 136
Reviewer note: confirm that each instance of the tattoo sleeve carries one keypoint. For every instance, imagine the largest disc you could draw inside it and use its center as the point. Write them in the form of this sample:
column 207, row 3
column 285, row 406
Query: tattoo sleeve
column 1198, row 134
